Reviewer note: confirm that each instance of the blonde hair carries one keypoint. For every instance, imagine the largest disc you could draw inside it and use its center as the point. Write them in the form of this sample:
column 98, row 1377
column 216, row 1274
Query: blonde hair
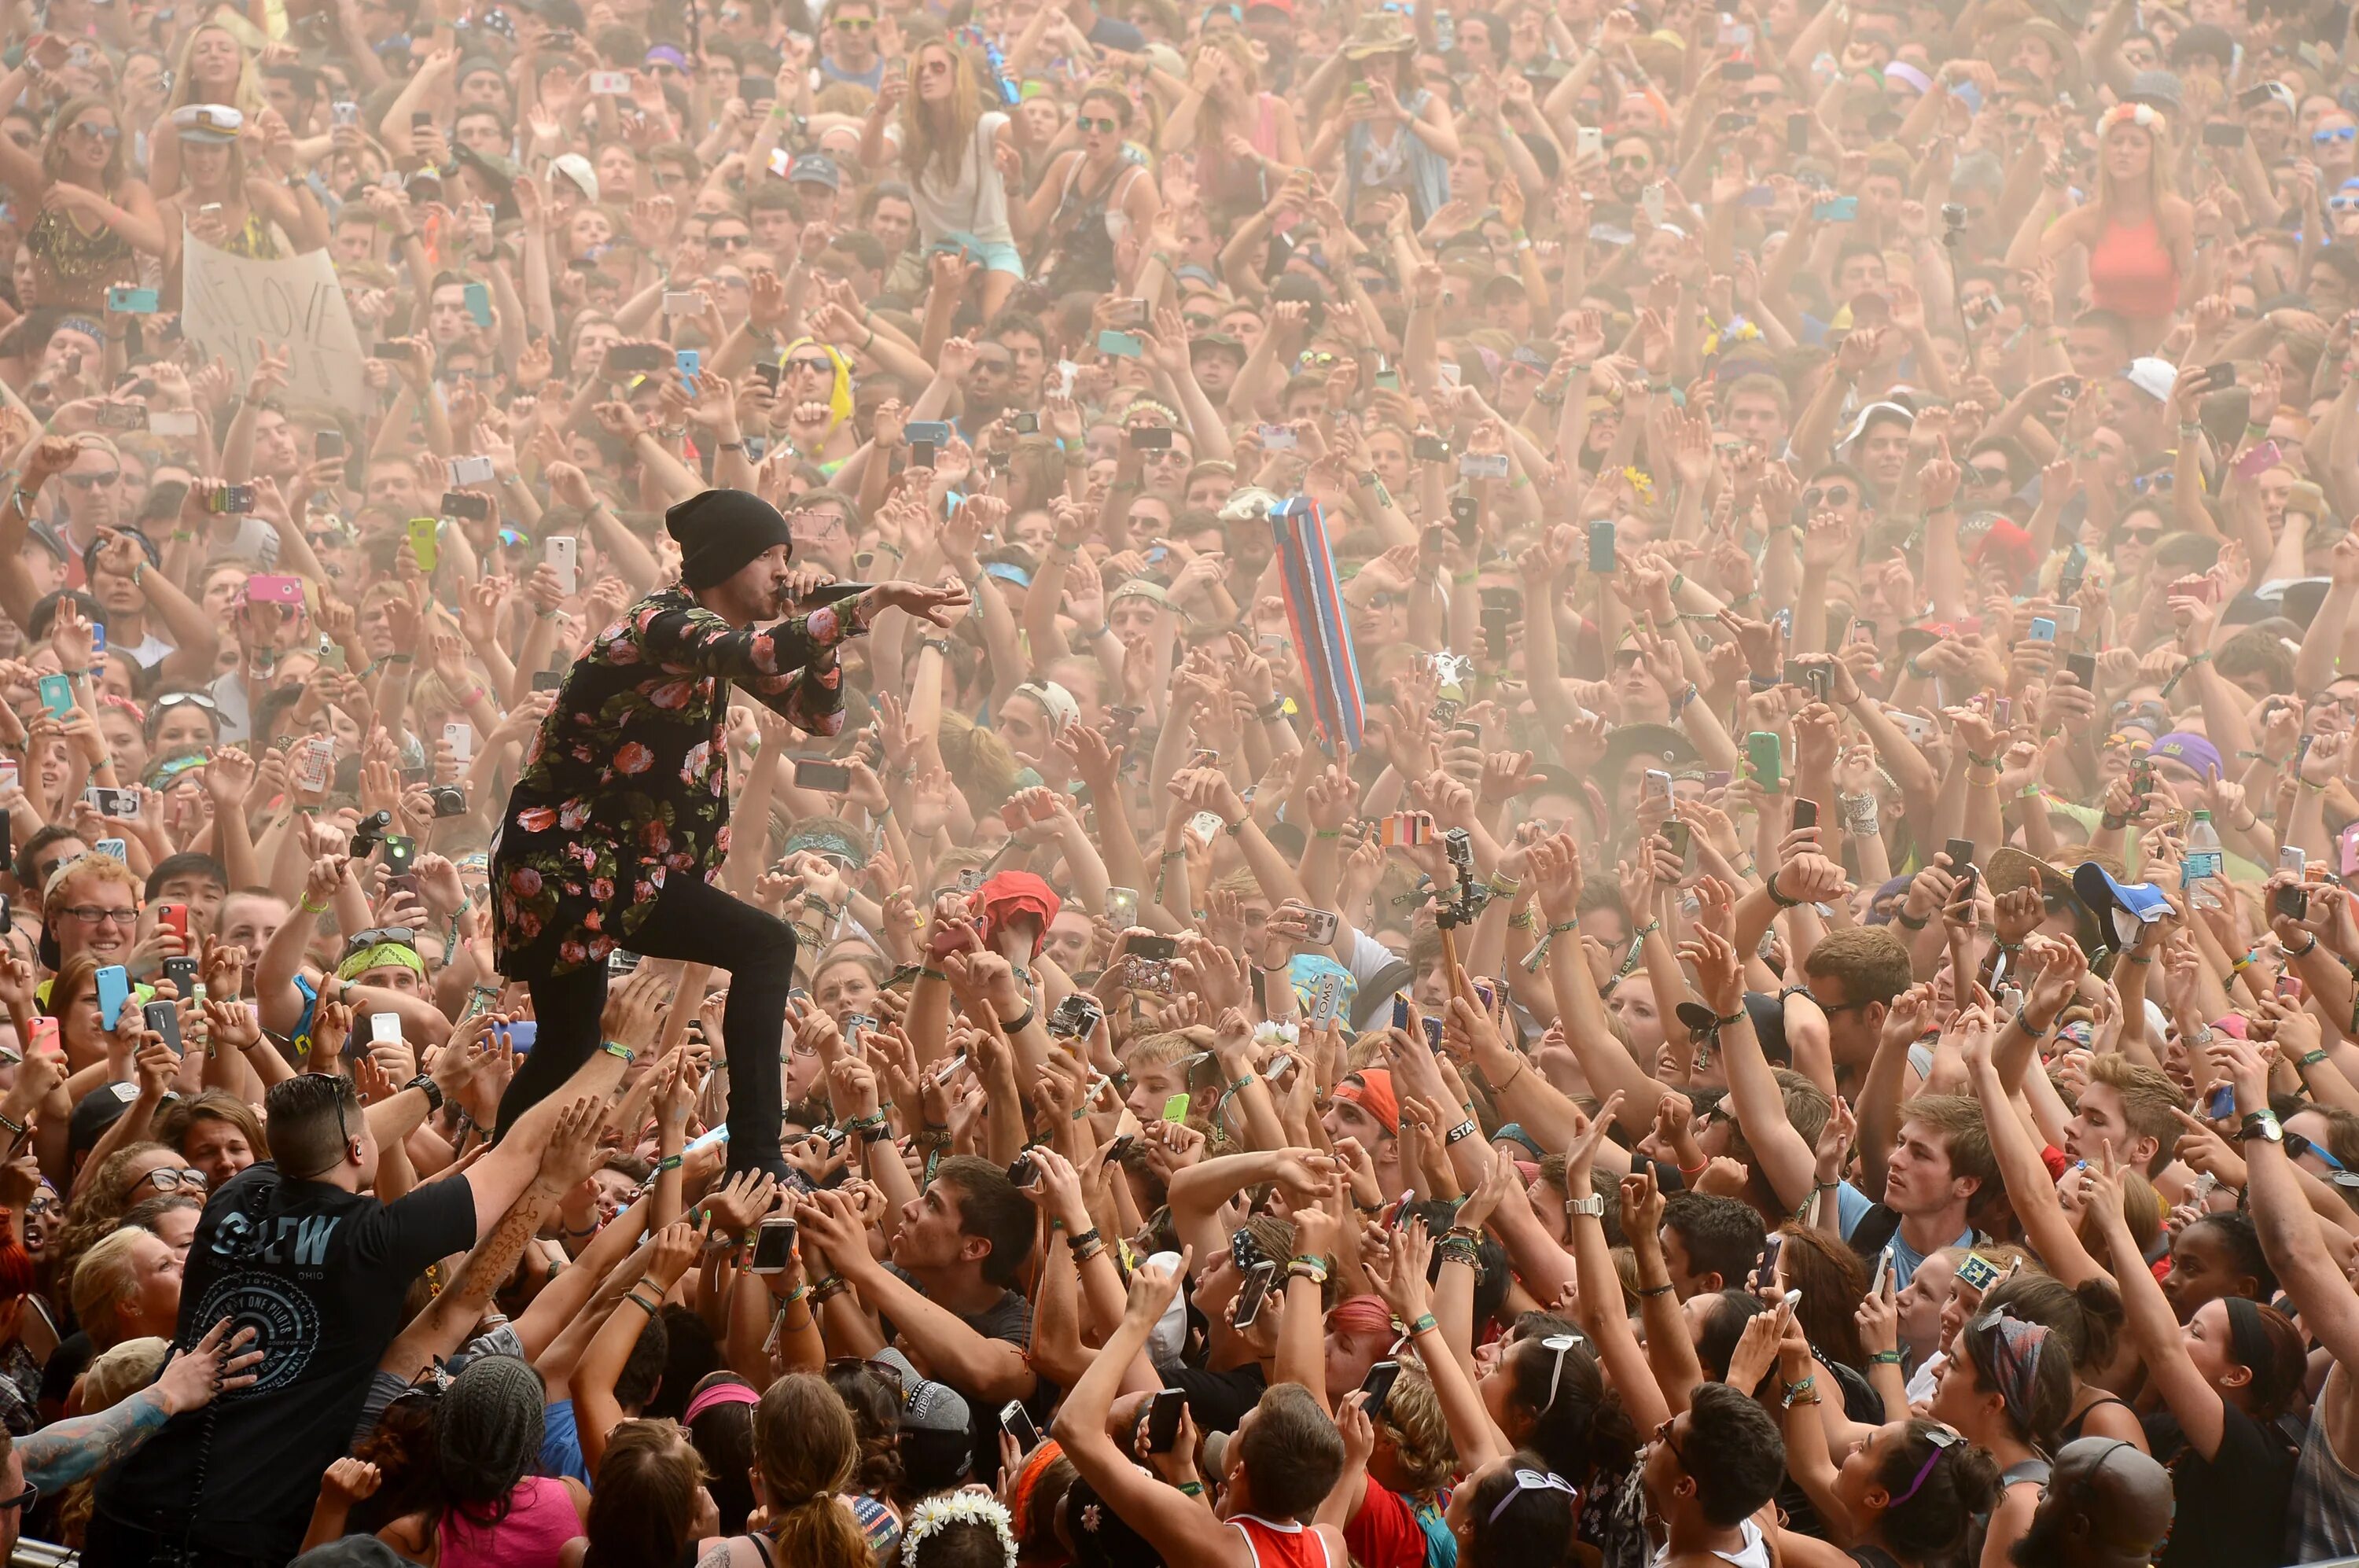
column 923, row 144
column 2158, row 163
column 104, row 1280
column 246, row 98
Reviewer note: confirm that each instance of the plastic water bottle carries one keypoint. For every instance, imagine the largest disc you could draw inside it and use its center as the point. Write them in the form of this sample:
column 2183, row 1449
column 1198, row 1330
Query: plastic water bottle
column 2203, row 864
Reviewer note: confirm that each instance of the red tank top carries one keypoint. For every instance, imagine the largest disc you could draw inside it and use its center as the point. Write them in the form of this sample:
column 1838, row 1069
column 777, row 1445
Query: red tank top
column 2131, row 271
column 1281, row 1545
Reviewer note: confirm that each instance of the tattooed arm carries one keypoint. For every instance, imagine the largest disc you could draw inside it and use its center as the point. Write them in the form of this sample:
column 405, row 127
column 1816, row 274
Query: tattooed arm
column 65, row 1452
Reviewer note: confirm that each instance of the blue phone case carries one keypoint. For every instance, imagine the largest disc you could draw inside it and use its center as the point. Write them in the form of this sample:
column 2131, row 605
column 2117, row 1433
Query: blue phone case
column 479, row 304
column 114, row 990
column 1119, row 343
column 57, row 694
column 688, row 361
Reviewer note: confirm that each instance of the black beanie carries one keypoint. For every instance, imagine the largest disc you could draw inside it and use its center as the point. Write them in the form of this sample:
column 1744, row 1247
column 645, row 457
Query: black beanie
column 720, row 531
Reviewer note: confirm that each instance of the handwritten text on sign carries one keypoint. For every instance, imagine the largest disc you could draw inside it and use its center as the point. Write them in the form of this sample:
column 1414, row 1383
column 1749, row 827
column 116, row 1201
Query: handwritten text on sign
column 233, row 306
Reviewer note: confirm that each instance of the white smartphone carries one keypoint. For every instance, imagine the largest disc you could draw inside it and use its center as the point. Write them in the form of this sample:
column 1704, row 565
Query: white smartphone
column 560, row 550
column 610, row 83
column 467, row 471
column 682, row 302
column 462, row 737
column 385, row 1028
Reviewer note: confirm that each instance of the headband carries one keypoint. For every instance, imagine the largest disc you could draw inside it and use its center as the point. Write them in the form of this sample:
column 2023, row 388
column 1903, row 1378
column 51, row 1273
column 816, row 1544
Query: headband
column 956, row 1508
column 720, row 1394
column 1943, row 1440
column 2247, row 1334
column 376, row 956
column 1244, row 1250
column 2015, row 1348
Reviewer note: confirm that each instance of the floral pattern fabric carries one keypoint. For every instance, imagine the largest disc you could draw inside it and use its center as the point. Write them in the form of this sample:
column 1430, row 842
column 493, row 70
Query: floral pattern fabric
column 627, row 782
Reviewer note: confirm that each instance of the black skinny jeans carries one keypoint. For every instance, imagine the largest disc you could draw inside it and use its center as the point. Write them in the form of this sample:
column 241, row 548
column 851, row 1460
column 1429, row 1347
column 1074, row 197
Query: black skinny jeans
column 696, row 922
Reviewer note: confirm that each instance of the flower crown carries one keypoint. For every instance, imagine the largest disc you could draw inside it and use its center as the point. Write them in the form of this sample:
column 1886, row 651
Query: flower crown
column 928, row 1518
column 2142, row 115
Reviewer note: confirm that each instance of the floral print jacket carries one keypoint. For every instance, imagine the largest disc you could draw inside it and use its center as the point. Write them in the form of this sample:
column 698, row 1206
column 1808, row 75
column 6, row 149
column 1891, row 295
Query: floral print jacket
column 627, row 782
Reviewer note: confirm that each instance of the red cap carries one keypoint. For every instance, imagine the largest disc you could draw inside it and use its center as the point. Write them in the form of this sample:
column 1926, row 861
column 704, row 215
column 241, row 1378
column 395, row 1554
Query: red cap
column 1011, row 895
column 1371, row 1089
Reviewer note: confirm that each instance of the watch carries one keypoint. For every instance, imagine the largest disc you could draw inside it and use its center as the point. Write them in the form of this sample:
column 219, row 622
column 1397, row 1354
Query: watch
column 2260, row 1124
column 1592, row 1205
column 433, row 1092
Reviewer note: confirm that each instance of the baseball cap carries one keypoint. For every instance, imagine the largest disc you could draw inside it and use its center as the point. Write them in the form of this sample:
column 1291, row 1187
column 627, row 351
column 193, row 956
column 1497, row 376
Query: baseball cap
column 2123, row 907
column 576, row 168
column 2153, row 376
column 815, row 169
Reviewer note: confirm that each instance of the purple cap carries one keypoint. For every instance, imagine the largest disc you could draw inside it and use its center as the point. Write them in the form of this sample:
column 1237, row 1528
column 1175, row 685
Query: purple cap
column 664, row 54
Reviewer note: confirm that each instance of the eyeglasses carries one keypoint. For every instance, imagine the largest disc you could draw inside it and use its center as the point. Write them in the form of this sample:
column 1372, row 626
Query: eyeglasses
column 1832, row 495
column 853, row 24
column 168, row 1180
column 91, row 914
column 92, row 481
column 1540, row 1481
column 1087, row 123
column 730, row 241
column 2334, row 133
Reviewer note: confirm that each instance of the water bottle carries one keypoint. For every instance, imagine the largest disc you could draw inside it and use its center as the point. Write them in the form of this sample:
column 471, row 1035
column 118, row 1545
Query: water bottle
column 2203, row 864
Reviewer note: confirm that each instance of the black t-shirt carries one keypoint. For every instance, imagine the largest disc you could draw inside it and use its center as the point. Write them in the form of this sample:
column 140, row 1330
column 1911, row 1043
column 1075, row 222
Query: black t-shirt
column 2231, row 1506
column 319, row 1275
column 1219, row 1400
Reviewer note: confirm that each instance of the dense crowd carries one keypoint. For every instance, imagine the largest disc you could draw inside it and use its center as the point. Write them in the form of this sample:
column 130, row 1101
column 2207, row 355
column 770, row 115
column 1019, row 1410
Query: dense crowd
column 1243, row 786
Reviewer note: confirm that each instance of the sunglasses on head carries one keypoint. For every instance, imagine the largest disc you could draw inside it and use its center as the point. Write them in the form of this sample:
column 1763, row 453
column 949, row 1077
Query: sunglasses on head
column 1542, row 1481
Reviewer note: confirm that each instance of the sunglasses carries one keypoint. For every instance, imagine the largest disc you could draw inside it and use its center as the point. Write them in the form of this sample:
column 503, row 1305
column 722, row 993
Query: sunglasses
column 730, row 241
column 99, row 133
column 1089, row 122
column 1663, row 1435
column 1560, row 1343
column 1982, row 474
column 2340, row 1174
column 361, row 941
column 2343, row 204
column 1634, row 160
column 24, row 1499
column 92, row 481
column 855, row 23
column 816, row 367
column 1541, row 1481
column 2338, row 134
column 195, row 699
column 1832, row 495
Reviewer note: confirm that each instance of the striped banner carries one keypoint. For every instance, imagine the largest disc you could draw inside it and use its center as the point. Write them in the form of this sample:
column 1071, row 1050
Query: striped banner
column 1314, row 606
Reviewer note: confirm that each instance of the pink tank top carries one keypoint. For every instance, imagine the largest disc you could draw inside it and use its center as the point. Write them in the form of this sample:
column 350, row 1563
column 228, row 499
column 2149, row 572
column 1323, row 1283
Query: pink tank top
column 1281, row 1545
column 541, row 1520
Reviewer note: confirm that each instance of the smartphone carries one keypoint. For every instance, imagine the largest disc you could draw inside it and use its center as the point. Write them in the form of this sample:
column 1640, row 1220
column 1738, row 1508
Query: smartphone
column 1769, row 1251
column 426, row 543
column 1797, row 133
column 1017, row 1422
column 120, row 804
column 478, row 297
column 230, row 500
column 2221, row 1103
column 1378, row 1387
column 1681, row 837
column 1253, row 1292
column 1163, row 1413
column 114, row 990
column 1122, row 345
column 2043, row 629
column 1320, row 926
column 637, row 358
column 1397, row 1215
column 1122, row 907
column 2223, row 134
column 1654, row 203
column 1588, row 142
column 1482, row 465
column 2082, row 668
column 174, row 918
column 774, row 1247
column 315, row 764
column 461, row 737
column 926, row 437
column 1961, row 852
column 460, row 504
column 183, row 974
column 1805, row 812
column 610, row 83
column 1882, row 1271
column 1655, row 788
column 1175, row 1109
column 124, row 302
column 1156, row 949
column 1764, row 755
column 401, row 849
column 472, row 470
column 821, row 777
column 1150, row 438
column 559, row 551
column 113, row 849
column 326, row 445
column 1429, row 448
column 1602, row 545
column 163, row 1019
column 271, row 589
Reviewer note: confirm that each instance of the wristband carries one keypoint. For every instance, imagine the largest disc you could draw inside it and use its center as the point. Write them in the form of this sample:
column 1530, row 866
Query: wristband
column 614, row 1048
column 1425, row 1321
column 2310, row 1059
column 1459, row 1132
column 669, row 1163
column 1662, row 1289
column 1884, row 1358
